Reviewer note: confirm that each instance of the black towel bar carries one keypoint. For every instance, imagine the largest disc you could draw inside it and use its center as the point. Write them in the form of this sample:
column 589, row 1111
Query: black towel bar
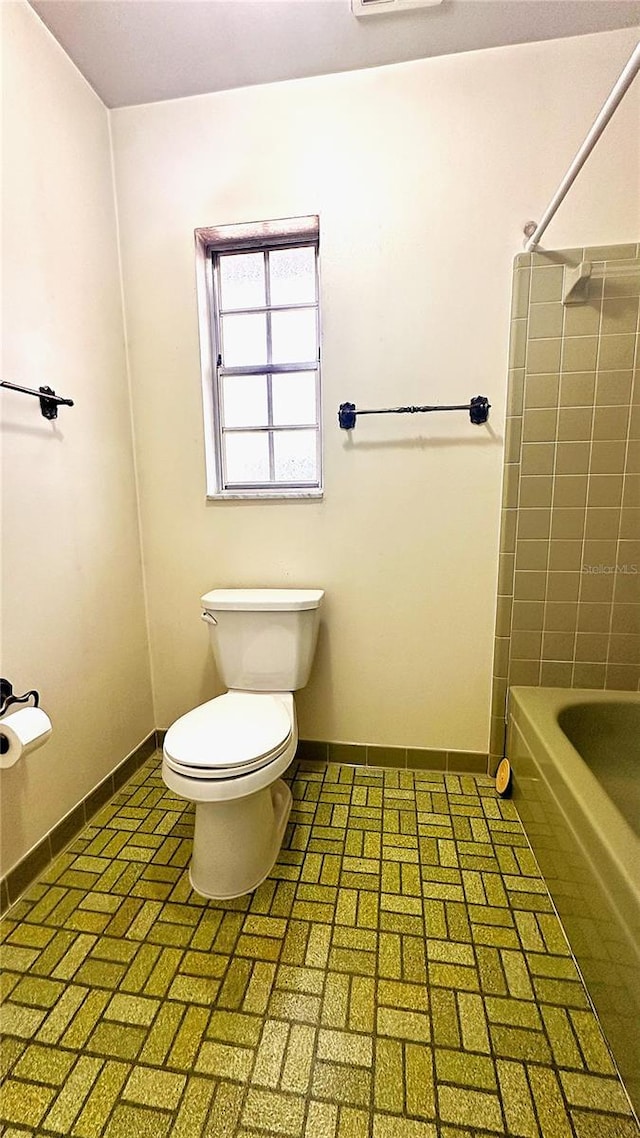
column 478, row 409
column 49, row 401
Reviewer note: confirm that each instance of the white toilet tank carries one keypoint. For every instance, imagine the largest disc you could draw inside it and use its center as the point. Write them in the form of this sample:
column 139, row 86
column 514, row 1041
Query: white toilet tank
column 263, row 639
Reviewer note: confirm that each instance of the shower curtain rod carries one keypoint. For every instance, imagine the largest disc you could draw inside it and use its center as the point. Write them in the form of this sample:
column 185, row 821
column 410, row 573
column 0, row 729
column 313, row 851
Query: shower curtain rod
column 534, row 232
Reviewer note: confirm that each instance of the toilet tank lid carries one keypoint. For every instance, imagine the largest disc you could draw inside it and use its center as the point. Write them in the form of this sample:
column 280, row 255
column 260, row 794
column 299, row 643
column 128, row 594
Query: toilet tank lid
column 262, row 600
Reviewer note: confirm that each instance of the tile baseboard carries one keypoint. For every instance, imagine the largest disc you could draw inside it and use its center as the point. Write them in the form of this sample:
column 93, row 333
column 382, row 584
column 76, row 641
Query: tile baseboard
column 36, row 861
column 402, row 758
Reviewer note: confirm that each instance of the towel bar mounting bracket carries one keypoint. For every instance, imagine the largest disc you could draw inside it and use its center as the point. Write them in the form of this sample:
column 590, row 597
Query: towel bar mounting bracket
column 48, row 406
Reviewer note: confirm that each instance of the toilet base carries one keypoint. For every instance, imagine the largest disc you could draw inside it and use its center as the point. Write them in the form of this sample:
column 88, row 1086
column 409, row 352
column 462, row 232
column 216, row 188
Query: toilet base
column 236, row 843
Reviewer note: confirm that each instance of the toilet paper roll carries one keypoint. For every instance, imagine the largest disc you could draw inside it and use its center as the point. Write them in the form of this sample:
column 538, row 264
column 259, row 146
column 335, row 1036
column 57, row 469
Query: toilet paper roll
column 22, row 732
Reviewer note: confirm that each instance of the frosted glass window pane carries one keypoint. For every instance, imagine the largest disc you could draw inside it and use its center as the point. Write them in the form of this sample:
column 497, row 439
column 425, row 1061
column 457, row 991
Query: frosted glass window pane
column 247, row 457
column 242, row 280
column 294, row 336
column 294, row 397
column 244, row 340
column 244, row 401
column 292, row 276
column 295, row 456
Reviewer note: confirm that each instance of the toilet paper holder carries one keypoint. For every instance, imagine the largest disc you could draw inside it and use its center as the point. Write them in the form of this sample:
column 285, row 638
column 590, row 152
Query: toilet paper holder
column 7, row 698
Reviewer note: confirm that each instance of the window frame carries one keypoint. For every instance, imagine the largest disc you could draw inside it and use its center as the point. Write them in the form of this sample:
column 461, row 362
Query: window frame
column 256, row 237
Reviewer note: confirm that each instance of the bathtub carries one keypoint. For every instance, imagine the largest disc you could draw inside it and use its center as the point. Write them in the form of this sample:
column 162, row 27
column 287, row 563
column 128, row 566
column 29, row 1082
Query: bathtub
column 576, row 765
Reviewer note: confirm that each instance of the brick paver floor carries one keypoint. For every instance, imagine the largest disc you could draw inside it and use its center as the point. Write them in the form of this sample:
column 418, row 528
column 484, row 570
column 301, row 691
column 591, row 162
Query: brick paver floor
column 401, row 974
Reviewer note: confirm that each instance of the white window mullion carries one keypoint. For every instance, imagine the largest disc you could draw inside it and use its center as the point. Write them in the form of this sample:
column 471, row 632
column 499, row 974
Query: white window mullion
column 218, row 401
column 272, row 459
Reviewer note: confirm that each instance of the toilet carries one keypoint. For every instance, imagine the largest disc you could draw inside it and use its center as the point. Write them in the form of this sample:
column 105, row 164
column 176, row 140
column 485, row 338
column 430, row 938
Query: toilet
column 227, row 756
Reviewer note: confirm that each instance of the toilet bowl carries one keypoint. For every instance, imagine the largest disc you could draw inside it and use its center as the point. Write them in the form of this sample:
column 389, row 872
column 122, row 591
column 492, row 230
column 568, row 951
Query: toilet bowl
column 227, row 757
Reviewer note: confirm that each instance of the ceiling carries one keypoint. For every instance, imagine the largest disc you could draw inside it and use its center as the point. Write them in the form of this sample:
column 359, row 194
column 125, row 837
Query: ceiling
column 141, row 51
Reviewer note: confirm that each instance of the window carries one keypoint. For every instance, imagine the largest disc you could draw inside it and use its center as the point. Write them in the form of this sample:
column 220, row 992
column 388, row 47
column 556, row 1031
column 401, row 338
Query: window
column 260, row 349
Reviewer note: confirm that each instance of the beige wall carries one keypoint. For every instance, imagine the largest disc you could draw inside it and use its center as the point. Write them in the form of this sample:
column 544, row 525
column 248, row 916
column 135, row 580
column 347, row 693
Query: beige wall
column 73, row 621
column 423, row 175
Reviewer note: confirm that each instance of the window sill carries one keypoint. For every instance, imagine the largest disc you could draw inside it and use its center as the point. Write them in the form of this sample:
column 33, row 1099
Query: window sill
column 265, row 495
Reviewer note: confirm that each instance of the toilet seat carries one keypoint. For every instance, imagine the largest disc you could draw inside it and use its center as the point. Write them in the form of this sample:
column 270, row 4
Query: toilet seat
column 229, row 736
